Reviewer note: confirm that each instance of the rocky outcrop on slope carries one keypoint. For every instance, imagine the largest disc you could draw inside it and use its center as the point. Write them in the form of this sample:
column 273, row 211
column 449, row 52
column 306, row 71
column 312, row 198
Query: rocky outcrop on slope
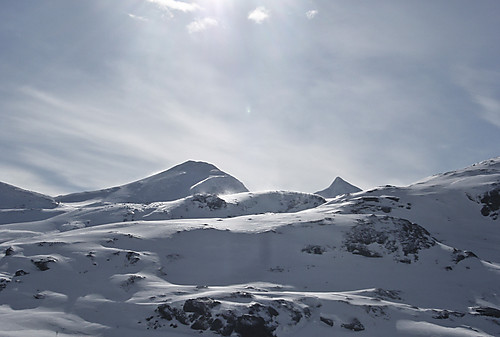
column 379, row 236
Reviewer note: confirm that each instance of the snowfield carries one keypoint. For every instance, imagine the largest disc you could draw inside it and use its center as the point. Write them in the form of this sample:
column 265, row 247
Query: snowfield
column 190, row 251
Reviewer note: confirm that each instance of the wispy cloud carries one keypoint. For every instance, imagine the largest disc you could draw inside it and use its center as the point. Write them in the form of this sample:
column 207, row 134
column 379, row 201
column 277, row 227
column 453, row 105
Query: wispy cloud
column 201, row 25
column 490, row 109
column 311, row 14
column 176, row 5
column 137, row 17
column 259, row 14
column 480, row 86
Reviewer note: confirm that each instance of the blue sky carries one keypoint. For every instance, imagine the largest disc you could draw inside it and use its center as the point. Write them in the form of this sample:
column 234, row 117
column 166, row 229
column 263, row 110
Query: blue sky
column 282, row 94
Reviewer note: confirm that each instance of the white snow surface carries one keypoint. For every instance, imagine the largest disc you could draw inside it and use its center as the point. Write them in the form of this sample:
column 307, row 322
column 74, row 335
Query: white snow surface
column 420, row 260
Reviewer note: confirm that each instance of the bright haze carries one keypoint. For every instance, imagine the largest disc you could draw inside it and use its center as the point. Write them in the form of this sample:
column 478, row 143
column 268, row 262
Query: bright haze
column 282, row 94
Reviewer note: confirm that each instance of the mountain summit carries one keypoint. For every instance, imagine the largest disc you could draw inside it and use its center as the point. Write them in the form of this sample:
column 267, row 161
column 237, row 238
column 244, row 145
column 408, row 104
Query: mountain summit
column 177, row 182
column 339, row 186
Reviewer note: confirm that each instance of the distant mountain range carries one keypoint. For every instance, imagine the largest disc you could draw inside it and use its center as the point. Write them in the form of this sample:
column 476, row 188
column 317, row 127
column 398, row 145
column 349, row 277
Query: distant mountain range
column 191, row 250
column 180, row 181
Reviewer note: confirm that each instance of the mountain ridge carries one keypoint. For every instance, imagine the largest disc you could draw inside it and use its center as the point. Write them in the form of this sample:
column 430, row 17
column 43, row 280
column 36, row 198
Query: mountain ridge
column 423, row 259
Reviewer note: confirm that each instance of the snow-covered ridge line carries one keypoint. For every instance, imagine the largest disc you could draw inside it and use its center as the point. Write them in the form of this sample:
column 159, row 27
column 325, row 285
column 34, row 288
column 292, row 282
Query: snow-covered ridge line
column 393, row 261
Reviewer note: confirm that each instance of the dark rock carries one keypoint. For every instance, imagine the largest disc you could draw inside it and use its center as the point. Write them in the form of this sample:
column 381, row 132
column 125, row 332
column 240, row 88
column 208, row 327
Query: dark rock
column 39, row 296
column 413, row 237
column 9, row 251
column 295, row 314
column 491, row 201
column 393, row 235
column 227, row 330
column 374, row 199
column 132, row 279
column 445, row 314
column 272, row 312
column 354, row 325
column 241, row 294
column 43, row 263
column 258, row 320
column 200, row 306
column 459, row 255
column 362, row 250
column 216, row 325
column 165, row 312
column 487, row 311
column 327, row 321
column 314, row 249
column 132, row 257
column 387, row 294
column 212, row 201
column 3, row 283
column 386, row 209
column 20, row 272
column 252, row 326
column 200, row 324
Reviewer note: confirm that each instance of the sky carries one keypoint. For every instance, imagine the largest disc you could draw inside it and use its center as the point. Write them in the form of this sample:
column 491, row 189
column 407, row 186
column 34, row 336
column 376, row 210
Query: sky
column 281, row 94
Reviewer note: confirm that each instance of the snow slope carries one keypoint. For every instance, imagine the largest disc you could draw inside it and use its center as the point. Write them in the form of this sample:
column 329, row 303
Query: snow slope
column 12, row 197
column 394, row 261
column 178, row 182
column 339, row 186
column 460, row 208
column 19, row 205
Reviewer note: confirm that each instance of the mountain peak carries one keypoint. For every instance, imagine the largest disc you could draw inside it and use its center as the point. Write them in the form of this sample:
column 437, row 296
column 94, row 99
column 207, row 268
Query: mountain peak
column 180, row 181
column 194, row 164
column 337, row 187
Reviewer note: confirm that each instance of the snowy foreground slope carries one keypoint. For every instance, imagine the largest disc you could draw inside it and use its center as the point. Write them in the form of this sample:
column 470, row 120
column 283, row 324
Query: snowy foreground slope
column 421, row 260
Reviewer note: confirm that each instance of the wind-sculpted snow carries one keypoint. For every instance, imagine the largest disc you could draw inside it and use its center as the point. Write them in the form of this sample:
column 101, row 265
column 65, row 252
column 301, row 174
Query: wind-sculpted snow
column 422, row 260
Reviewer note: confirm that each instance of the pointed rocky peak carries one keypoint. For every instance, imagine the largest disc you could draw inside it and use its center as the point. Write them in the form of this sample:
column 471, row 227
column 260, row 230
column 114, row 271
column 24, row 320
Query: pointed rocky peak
column 339, row 186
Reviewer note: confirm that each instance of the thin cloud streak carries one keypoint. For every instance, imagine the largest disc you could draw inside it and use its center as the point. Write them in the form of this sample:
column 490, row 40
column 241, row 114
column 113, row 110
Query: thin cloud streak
column 490, row 109
column 137, row 17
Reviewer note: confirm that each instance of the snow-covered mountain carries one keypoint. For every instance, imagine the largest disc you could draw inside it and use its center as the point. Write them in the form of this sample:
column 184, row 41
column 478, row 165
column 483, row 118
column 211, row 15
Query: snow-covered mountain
column 420, row 260
column 12, row 197
column 178, row 182
column 339, row 186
